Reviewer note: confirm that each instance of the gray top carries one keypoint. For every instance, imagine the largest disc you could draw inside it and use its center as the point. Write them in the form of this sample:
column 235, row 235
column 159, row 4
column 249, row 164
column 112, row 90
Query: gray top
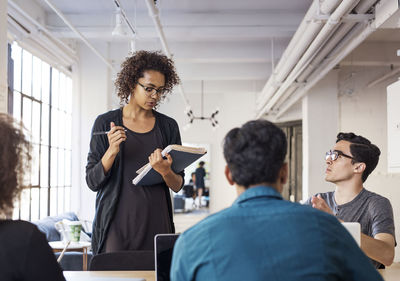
column 142, row 211
column 374, row 212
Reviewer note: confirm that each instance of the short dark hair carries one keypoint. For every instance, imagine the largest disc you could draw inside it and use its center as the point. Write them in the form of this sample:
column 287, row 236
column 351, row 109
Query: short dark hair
column 255, row 152
column 201, row 163
column 134, row 66
column 363, row 151
column 14, row 161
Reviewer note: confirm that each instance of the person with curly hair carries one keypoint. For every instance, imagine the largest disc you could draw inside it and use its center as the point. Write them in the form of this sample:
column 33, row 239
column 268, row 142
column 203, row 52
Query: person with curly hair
column 129, row 216
column 25, row 253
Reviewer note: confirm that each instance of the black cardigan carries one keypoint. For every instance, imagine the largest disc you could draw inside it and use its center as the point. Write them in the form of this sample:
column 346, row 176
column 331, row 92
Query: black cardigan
column 108, row 186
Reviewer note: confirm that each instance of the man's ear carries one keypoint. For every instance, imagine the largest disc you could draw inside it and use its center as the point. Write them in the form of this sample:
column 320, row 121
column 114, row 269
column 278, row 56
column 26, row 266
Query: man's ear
column 359, row 168
column 228, row 175
column 283, row 173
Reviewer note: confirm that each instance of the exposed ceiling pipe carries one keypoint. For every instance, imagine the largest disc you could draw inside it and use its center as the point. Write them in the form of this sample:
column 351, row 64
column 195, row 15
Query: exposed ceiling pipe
column 153, row 12
column 384, row 77
column 69, row 24
column 67, row 49
column 324, row 68
column 361, row 8
column 299, row 43
column 344, row 8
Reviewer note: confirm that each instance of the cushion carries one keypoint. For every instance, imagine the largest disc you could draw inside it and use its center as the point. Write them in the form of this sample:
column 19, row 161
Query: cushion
column 46, row 225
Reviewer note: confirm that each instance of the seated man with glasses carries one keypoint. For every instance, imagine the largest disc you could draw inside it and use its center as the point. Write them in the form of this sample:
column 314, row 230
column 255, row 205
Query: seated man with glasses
column 349, row 164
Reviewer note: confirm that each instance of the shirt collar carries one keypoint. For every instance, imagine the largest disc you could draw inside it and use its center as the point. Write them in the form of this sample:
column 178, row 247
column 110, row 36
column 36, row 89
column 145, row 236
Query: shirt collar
column 258, row 191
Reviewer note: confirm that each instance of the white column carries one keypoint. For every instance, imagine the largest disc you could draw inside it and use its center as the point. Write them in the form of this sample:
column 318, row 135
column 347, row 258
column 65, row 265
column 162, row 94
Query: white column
column 320, row 127
column 3, row 56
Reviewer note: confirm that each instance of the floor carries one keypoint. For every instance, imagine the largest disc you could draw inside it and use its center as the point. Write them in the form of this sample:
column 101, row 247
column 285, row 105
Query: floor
column 184, row 221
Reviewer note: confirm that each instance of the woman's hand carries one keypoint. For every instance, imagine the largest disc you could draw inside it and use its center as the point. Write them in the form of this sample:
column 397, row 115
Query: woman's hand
column 161, row 165
column 115, row 136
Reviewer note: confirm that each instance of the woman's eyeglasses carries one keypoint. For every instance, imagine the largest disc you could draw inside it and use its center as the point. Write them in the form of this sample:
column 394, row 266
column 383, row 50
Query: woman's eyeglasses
column 334, row 154
column 150, row 91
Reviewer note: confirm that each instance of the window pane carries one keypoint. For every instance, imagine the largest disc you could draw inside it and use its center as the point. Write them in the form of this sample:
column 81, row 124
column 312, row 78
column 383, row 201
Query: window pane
column 27, row 114
column 34, row 204
column 44, row 166
column 45, row 124
column 68, row 96
column 61, row 164
column 45, row 83
column 61, row 129
column 54, row 87
column 61, row 92
column 54, row 127
column 26, row 73
column 68, row 131
column 35, row 165
column 35, row 122
column 68, row 168
column 36, row 78
column 53, row 167
column 53, row 201
column 16, row 53
column 67, row 198
column 17, row 105
column 61, row 200
column 43, row 202
column 25, row 196
column 15, row 215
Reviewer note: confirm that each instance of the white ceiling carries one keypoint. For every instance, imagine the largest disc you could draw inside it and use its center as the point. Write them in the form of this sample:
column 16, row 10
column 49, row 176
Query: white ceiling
column 220, row 41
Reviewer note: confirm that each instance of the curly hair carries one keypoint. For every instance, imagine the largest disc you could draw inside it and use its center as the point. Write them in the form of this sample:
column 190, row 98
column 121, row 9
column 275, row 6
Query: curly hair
column 363, row 151
column 134, row 66
column 255, row 152
column 14, row 161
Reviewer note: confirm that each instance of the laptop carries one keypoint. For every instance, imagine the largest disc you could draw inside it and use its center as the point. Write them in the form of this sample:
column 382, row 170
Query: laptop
column 355, row 230
column 163, row 247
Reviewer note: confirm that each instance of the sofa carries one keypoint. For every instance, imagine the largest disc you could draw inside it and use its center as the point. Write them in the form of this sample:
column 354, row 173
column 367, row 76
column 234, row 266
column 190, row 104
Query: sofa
column 71, row 261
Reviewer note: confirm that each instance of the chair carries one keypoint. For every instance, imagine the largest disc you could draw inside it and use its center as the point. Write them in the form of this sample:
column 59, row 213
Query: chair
column 123, row 260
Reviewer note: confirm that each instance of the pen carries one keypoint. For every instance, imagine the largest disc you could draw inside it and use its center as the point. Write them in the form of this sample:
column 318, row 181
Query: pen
column 102, row 133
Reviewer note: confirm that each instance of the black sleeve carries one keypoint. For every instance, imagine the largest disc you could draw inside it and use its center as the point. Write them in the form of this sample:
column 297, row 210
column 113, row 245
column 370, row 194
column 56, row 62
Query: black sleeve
column 41, row 263
column 177, row 140
column 95, row 176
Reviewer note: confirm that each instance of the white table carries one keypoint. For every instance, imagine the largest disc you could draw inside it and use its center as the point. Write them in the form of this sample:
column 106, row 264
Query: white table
column 83, row 247
column 109, row 275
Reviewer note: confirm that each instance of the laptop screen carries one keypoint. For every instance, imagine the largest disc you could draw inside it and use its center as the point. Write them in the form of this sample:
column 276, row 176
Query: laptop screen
column 354, row 229
column 163, row 247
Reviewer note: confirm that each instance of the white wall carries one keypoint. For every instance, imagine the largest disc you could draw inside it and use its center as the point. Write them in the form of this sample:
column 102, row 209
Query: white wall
column 94, row 82
column 320, row 127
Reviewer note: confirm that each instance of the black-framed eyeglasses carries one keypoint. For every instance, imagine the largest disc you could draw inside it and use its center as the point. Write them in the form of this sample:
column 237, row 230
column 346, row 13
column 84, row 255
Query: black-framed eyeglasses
column 334, row 154
column 150, row 91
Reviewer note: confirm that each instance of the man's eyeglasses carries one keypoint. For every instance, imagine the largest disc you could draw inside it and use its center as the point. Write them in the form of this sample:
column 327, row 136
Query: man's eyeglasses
column 150, row 91
column 333, row 155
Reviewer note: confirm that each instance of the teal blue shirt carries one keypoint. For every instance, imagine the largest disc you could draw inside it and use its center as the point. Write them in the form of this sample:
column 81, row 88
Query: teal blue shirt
column 263, row 237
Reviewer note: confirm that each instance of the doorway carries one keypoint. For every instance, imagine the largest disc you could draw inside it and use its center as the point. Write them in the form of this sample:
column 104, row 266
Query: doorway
column 293, row 189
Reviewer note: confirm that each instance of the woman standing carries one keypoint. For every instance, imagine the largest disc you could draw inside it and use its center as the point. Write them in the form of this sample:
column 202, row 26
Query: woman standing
column 128, row 216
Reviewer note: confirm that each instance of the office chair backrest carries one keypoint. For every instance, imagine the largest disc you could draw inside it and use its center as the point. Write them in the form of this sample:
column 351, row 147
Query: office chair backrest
column 123, row 260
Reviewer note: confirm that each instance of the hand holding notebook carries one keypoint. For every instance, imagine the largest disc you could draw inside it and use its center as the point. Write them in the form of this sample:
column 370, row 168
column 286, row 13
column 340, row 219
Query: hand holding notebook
column 182, row 156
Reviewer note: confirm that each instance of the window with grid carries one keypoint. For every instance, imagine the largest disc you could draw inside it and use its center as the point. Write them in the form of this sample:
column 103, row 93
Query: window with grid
column 42, row 99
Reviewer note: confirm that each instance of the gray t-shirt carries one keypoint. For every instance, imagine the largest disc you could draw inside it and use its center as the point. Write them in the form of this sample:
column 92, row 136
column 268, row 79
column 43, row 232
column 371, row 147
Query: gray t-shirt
column 374, row 212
